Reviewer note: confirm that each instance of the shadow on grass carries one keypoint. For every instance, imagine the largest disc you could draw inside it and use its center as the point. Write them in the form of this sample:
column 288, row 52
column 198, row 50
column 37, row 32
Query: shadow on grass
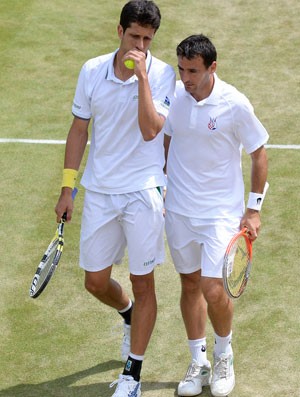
column 62, row 387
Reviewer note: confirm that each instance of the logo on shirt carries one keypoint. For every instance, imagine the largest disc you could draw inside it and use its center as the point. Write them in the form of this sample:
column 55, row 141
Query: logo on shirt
column 166, row 103
column 212, row 125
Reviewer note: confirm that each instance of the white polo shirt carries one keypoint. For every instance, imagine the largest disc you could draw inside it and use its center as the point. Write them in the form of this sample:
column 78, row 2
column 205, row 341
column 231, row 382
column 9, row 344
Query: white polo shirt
column 204, row 161
column 119, row 160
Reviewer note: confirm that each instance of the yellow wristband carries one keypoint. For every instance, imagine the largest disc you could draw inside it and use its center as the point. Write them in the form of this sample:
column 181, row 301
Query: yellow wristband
column 69, row 178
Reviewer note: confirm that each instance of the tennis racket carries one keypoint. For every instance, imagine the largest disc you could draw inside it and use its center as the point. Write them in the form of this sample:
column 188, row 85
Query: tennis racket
column 237, row 264
column 50, row 259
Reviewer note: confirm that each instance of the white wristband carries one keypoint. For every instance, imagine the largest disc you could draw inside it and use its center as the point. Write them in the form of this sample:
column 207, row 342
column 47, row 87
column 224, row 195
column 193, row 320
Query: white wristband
column 165, row 186
column 256, row 200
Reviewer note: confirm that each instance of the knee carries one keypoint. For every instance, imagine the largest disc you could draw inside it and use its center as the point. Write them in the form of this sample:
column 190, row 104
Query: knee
column 215, row 294
column 95, row 286
column 191, row 283
column 142, row 285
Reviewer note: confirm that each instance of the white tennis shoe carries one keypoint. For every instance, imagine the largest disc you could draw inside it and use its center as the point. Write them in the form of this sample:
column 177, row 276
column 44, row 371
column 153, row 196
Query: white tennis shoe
column 223, row 379
column 125, row 348
column 196, row 377
column 127, row 387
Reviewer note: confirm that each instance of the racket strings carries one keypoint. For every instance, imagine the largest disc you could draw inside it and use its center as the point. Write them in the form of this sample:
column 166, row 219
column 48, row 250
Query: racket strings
column 50, row 259
column 47, row 265
column 237, row 269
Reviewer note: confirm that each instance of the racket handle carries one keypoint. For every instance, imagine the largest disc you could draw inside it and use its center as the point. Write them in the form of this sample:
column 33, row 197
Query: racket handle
column 74, row 192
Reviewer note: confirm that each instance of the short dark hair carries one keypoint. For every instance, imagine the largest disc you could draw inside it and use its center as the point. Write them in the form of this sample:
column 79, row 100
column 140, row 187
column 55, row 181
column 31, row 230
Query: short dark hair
column 197, row 45
column 143, row 12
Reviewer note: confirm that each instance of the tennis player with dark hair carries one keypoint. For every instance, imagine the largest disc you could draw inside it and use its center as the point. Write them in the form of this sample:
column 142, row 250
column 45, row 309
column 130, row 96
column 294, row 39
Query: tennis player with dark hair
column 122, row 205
column 208, row 124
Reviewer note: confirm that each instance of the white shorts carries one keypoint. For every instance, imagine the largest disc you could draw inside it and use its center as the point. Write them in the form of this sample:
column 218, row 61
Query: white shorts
column 112, row 222
column 199, row 243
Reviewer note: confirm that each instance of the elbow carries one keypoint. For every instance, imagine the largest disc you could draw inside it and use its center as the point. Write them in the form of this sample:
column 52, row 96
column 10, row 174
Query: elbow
column 151, row 127
column 149, row 138
column 149, row 135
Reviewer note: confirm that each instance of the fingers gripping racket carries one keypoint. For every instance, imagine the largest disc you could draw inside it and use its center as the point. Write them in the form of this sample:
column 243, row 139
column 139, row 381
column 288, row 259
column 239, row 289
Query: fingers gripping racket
column 237, row 264
column 50, row 259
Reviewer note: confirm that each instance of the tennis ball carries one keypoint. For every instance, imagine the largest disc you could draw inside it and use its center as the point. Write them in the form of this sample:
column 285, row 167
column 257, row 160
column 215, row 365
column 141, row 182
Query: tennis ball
column 129, row 63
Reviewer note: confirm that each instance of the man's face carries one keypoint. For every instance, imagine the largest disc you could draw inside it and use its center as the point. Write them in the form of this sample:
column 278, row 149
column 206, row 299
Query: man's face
column 136, row 37
column 197, row 78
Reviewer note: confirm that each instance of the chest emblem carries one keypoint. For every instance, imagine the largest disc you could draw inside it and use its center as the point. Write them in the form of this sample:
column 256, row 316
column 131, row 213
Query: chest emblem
column 212, row 125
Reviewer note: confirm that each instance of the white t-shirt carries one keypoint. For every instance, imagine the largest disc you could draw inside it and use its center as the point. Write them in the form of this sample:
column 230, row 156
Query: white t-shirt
column 119, row 160
column 204, row 161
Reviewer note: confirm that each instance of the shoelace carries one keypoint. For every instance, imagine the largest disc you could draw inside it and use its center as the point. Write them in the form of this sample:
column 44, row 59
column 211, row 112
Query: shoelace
column 192, row 371
column 114, row 383
column 222, row 367
column 133, row 393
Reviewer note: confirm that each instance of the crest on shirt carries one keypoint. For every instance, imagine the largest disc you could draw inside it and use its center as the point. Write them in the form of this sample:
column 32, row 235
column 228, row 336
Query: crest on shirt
column 212, row 125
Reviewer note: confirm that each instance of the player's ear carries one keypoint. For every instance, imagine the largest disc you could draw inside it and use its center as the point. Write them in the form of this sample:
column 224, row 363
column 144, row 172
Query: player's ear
column 120, row 31
column 213, row 67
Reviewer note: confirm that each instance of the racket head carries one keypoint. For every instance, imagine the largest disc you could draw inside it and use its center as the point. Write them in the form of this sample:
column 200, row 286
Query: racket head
column 237, row 264
column 48, row 263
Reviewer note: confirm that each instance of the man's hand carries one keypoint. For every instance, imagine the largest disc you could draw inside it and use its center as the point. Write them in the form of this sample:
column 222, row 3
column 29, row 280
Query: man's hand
column 251, row 220
column 139, row 59
column 64, row 204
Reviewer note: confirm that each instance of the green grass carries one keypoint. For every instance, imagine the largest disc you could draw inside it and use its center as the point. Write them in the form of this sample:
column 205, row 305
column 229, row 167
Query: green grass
column 65, row 343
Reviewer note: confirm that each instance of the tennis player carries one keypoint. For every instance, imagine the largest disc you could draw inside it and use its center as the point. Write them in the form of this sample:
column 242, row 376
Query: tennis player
column 207, row 126
column 122, row 205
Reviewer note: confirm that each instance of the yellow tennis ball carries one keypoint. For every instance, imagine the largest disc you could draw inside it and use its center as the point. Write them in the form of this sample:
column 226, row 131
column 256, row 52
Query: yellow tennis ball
column 129, row 63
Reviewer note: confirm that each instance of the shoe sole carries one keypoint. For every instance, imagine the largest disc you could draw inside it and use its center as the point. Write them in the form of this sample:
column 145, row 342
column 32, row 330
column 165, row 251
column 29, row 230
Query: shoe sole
column 224, row 395
column 207, row 383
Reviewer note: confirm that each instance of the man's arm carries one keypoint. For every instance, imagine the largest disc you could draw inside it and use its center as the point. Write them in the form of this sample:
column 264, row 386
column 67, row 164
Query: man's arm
column 167, row 140
column 259, row 171
column 150, row 121
column 75, row 146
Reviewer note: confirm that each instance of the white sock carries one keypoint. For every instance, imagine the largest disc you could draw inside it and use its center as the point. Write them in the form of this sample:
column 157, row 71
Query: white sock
column 223, row 345
column 198, row 350
column 136, row 357
column 126, row 308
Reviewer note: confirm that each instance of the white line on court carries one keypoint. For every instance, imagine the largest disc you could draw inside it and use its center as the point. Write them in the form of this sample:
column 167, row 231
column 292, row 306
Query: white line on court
column 32, row 141
column 62, row 142
column 296, row 147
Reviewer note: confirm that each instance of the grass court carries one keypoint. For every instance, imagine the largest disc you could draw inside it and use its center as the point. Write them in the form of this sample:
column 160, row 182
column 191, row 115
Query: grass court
column 64, row 343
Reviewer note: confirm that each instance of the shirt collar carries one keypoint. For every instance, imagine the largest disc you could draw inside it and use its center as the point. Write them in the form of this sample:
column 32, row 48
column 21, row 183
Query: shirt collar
column 214, row 97
column 110, row 74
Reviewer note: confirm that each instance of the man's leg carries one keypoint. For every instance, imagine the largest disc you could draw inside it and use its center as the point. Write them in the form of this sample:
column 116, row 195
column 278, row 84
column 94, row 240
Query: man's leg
column 194, row 314
column 193, row 305
column 144, row 312
column 220, row 311
column 109, row 292
column 143, row 226
column 220, row 307
column 105, row 289
column 142, row 322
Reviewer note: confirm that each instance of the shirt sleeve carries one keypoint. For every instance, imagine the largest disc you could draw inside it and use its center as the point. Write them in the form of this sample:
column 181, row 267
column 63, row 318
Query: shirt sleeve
column 248, row 128
column 167, row 129
column 163, row 91
column 82, row 103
